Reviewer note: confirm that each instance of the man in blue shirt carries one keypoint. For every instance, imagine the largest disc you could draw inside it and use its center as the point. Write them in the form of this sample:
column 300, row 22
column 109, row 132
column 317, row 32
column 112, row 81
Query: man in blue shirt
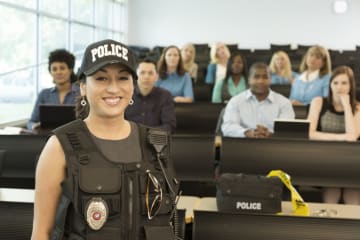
column 252, row 112
column 153, row 106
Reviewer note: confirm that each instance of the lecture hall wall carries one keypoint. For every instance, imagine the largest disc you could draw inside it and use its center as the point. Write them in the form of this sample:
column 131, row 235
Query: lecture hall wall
column 249, row 23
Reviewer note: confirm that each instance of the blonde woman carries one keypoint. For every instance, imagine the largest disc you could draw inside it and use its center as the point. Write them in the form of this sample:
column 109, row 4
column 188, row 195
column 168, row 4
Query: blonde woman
column 188, row 54
column 314, row 77
column 219, row 54
column 280, row 67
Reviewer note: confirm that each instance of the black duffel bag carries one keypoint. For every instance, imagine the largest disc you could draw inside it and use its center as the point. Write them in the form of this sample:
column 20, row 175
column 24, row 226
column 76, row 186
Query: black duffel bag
column 248, row 193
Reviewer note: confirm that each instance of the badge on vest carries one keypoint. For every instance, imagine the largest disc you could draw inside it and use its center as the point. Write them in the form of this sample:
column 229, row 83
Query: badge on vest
column 96, row 213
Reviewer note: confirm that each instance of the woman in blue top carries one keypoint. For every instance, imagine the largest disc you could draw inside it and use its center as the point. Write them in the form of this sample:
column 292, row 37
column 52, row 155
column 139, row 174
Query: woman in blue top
column 314, row 79
column 216, row 70
column 173, row 76
column 280, row 67
column 234, row 81
column 61, row 65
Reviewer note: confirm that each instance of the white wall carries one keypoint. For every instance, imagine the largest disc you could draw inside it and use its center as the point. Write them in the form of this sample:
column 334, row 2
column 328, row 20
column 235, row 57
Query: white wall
column 249, row 23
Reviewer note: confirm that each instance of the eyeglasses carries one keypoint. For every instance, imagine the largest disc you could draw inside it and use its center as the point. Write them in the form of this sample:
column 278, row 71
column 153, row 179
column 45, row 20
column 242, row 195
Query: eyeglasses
column 153, row 209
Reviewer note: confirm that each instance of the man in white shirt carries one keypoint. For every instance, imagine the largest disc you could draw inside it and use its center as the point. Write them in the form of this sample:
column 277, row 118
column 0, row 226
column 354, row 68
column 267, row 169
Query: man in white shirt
column 252, row 112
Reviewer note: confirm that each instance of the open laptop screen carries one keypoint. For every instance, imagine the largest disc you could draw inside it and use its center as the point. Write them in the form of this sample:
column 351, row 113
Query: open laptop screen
column 291, row 128
column 53, row 116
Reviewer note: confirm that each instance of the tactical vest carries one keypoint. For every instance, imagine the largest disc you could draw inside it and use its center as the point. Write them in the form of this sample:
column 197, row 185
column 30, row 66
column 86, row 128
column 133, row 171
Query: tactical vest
column 122, row 188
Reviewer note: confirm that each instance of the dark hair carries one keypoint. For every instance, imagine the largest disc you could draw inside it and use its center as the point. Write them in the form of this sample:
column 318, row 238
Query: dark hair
column 147, row 60
column 229, row 72
column 257, row 66
column 350, row 74
column 81, row 112
column 162, row 67
column 62, row 55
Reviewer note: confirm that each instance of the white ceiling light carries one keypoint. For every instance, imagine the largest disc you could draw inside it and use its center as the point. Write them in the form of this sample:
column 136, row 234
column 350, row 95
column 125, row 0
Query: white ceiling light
column 340, row 6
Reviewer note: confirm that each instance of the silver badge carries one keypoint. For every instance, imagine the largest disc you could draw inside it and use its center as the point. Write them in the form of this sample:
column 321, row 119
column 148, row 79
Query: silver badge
column 96, row 213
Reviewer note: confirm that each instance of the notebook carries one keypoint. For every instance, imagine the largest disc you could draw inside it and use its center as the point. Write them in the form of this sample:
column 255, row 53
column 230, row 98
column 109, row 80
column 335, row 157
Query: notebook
column 291, row 128
column 53, row 116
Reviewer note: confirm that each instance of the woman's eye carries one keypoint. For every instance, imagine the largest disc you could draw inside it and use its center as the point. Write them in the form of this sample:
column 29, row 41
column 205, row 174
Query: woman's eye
column 100, row 78
column 123, row 78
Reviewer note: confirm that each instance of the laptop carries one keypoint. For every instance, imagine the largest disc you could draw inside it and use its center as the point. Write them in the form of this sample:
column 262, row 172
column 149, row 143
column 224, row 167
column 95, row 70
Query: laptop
column 53, row 116
column 291, row 128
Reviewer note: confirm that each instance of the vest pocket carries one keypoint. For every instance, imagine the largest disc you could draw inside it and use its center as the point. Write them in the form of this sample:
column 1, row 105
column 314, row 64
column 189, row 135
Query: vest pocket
column 104, row 183
column 100, row 180
column 154, row 194
column 104, row 233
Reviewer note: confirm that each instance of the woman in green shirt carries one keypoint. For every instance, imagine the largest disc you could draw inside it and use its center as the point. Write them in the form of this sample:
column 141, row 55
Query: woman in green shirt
column 234, row 81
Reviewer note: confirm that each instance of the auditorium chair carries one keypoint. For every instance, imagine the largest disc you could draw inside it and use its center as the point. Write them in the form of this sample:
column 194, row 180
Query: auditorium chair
column 227, row 226
column 18, row 158
column 280, row 47
column 15, row 220
column 309, row 163
column 194, row 158
column 197, row 118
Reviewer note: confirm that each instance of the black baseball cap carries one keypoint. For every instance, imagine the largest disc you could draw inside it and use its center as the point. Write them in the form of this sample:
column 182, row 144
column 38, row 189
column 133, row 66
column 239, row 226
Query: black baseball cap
column 99, row 54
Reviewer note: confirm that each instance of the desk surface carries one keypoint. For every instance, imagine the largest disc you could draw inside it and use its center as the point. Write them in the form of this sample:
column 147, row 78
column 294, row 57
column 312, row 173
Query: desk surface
column 191, row 203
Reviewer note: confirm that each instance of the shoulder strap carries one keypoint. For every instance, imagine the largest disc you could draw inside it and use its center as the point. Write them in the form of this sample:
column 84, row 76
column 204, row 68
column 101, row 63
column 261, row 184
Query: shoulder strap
column 143, row 141
column 150, row 139
column 75, row 139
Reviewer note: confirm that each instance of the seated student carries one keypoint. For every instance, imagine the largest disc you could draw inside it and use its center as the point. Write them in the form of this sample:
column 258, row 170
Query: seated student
column 234, row 81
column 216, row 70
column 280, row 67
column 152, row 106
column 252, row 113
column 173, row 76
column 188, row 55
column 61, row 65
column 337, row 118
column 313, row 80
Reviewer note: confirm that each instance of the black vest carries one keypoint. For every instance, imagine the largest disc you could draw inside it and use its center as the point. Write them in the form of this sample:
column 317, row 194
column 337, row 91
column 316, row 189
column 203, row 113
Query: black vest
column 90, row 175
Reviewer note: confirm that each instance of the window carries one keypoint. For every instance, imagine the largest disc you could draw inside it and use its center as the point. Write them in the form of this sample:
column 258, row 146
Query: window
column 40, row 26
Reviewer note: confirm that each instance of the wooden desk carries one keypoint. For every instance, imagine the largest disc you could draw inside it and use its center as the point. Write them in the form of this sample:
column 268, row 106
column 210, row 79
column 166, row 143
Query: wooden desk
column 191, row 203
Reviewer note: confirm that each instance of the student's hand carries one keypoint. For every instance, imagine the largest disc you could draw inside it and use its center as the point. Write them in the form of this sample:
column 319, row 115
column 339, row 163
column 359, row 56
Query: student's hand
column 297, row 103
column 35, row 126
column 250, row 133
column 345, row 100
column 259, row 132
column 262, row 131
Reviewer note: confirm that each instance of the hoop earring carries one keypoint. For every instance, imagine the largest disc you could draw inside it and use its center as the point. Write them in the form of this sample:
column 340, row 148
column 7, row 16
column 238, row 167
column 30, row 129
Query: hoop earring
column 83, row 101
column 131, row 102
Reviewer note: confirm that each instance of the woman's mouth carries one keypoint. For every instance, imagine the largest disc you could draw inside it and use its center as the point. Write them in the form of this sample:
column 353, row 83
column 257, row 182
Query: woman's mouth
column 112, row 101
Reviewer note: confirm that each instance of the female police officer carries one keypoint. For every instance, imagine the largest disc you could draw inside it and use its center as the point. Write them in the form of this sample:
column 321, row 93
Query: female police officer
column 102, row 177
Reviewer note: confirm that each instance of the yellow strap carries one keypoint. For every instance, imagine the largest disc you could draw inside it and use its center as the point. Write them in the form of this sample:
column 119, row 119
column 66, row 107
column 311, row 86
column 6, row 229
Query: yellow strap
column 300, row 207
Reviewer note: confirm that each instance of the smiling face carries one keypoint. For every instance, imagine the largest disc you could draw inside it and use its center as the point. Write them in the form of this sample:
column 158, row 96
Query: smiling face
column 108, row 91
column 60, row 72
